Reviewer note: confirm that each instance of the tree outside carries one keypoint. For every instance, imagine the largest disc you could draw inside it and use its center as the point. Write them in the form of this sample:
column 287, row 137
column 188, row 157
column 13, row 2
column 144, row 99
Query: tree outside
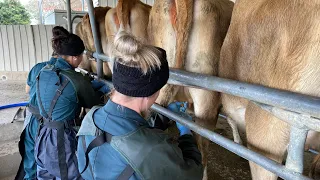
column 49, row 5
column 12, row 12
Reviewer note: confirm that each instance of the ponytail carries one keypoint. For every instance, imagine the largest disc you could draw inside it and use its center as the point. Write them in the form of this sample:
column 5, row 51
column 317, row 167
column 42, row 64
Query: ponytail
column 131, row 52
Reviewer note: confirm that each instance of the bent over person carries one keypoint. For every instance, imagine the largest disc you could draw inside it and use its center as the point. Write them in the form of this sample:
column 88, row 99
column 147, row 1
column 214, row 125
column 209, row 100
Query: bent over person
column 60, row 94
column 115, row 142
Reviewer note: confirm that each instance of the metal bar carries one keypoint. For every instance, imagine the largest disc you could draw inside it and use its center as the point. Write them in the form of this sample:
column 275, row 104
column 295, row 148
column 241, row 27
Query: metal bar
column 92, row 75
column 103, row 57
column 295, row 119
column 298, row 138
column 313, row 151
column 82, row 5
column 97, row 43
column 40, row 11
column 240, row 150
column 69, row 16
column 296, row 102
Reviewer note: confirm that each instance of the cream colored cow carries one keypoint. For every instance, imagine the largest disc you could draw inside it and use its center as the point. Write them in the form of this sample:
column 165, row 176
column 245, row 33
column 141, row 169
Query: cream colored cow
column 129, row 15
column 276, row 44
column 192, row 33
column 83, row 30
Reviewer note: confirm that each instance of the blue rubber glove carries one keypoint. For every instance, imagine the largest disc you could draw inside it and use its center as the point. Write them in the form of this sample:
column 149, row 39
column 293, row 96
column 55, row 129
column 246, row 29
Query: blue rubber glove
column 96, row 84
column 100, row 86
column 180, row 108
column 104, row 89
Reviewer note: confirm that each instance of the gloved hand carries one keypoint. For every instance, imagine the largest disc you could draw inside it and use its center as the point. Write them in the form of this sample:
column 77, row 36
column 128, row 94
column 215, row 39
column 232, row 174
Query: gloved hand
column 180, row 108
column 100, row 86
column 96, row 84
column 104, row 89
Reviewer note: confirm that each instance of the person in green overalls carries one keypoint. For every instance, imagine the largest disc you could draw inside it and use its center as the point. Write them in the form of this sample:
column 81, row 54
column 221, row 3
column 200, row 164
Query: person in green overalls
column 60, row 94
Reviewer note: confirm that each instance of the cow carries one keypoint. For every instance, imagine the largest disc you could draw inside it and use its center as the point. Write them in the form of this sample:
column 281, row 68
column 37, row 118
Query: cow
column 192, row 33
column 276, row 44
column 83, row 30
column 129, row 15
column 133, row 15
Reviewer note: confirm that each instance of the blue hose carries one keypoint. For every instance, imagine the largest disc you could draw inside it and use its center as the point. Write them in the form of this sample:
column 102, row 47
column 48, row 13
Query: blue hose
column 13, row 105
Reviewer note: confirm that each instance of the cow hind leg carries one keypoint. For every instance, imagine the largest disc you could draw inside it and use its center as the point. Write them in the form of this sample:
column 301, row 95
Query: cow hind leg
column 206, row 105
column 266, row 135
column 167, row 94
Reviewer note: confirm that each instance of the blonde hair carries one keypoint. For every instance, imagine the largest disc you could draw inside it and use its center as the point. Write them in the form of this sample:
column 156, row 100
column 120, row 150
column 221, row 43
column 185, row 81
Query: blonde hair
column 131, row 52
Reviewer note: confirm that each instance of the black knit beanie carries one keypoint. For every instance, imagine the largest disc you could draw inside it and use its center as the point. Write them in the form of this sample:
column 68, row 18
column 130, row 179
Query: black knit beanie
column 65, row 43
column 132, row 82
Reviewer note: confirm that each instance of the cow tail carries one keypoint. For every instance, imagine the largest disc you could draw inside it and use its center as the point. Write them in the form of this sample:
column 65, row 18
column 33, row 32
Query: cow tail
column 123, row 12
column 181, row 14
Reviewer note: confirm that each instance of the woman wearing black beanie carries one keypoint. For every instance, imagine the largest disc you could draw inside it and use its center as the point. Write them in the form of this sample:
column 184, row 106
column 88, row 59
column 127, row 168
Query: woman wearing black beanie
column 60, row 93
column 115, row 142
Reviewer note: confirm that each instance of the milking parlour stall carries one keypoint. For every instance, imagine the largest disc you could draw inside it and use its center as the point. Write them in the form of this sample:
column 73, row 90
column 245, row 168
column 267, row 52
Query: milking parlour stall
column 203, row 38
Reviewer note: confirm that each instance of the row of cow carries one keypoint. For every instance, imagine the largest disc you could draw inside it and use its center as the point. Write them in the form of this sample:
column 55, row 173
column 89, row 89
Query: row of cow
column 269, row 42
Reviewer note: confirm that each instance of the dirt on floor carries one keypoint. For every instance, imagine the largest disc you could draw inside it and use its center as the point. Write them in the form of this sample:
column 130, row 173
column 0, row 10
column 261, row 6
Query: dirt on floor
column 223, row 165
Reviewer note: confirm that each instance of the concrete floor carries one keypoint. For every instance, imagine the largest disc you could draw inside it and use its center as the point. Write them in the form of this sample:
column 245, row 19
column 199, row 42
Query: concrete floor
column 10, row 92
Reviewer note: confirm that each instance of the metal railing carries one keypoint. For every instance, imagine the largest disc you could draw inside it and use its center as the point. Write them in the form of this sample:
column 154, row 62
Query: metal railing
column 69, row 16
column 97, row 43
column 301, row 111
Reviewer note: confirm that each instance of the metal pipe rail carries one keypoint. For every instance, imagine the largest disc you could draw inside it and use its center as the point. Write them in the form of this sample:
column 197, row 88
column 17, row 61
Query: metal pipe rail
column 103, row 57
column 94, row 76
column 97, row 43
column 69, row 16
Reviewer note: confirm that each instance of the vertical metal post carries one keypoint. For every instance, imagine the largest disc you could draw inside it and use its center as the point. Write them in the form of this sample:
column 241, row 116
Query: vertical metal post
column 40, row 11
column 96, row 39
column 296, row 148
column 69, row 16
column 82, row 5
